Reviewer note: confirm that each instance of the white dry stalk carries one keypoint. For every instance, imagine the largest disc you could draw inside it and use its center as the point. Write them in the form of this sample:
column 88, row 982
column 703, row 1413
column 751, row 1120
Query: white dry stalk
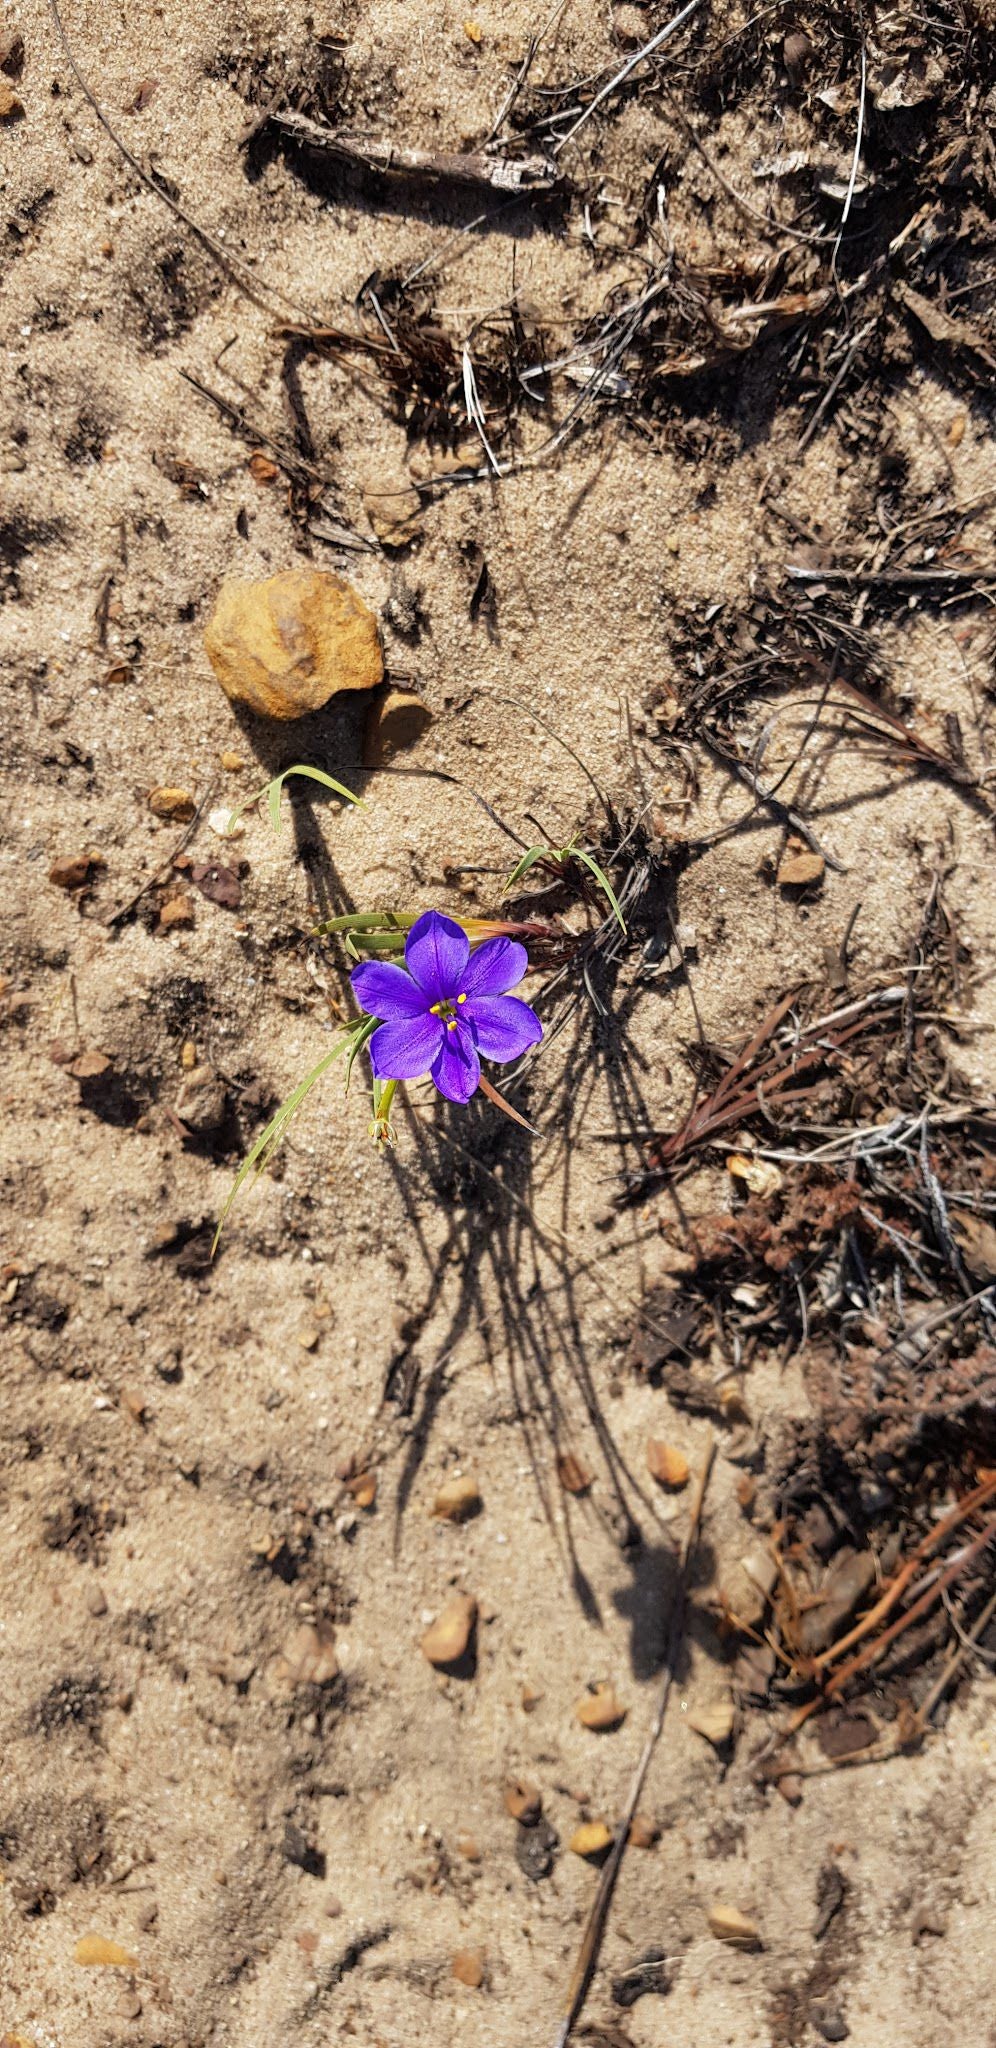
column 475, row 412
column 638, row 57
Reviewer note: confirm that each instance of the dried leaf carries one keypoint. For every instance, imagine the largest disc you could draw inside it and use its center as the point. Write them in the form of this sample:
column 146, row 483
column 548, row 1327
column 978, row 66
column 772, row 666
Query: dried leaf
column 844, row 1734
column 977, row 1244
column 141, row 97
column 761, row 1176
column 219, row 884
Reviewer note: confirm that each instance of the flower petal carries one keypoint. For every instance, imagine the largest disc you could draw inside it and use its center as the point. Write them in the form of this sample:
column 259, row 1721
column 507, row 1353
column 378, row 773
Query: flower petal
column 496, row 966
column 502, row 1026
column 386, row 991
column 456, row 1069
column 436, row 953
column 403, row 1051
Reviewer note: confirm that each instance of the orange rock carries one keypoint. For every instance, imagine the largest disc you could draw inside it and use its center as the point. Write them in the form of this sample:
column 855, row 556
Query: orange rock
column 667, row 1465
column 93, row 1950
column 600, row 1709
column 284, row 646
column 468, row 1968
column 451, row 1634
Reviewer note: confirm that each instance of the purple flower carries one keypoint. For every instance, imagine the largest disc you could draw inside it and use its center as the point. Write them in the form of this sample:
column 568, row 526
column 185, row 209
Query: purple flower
column 445, row 1007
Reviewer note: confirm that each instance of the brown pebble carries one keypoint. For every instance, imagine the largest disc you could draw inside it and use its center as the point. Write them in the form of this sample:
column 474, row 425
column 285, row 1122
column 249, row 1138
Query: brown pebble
column 232, row 763
column 308, row 1658
column 529, row 1699
column 574, row 1477
column 363, row 1489
column 733, row 1927
column 523, row 1800
column 667, row 1465
column 457, row 1499
column 96, row 1601
column 176, row 804
column 467, row 1847
column 129, row 2005
column 177, row 913
column 468, row 1968
column 395, row 515
column 799, row 866
column 71, row 872
column 451, row 1634
column 644, row 1833
column 600, row 1709
column 591, row 1839
column 629, row 26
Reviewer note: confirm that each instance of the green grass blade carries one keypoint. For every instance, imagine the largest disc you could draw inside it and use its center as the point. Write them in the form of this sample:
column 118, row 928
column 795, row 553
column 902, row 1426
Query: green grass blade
column 358, row 1041
column 272, row 792
column 523, row 866
column 266, row 1144
column 603, row 882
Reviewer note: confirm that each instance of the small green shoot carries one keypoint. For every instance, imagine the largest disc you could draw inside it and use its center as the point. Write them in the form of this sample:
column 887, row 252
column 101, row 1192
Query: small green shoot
column 559, row 857
column 272, row 792
column 258, row 1159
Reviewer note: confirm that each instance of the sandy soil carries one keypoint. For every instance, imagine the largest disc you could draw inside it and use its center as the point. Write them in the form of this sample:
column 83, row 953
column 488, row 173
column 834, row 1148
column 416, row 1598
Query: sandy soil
column 302, row 1864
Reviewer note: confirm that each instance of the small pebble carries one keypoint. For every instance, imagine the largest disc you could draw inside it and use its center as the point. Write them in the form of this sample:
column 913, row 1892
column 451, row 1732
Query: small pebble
column 733, row 1927
column 523, row 1800
column 591, row 1839
column 830, row 2022
column 468, row 1968
column 450, row 1636
column 96, row 1601
column 176, row 804
column 600, row 1709
column 667, row 1465
column 457, row 1499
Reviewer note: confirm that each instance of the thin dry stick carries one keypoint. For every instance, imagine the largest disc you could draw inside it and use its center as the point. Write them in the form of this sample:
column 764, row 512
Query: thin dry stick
column 592, row 1937
column 265, row 300
column 501, row 174
column 630, row 65
column 954, row 1663
column 158, row 874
